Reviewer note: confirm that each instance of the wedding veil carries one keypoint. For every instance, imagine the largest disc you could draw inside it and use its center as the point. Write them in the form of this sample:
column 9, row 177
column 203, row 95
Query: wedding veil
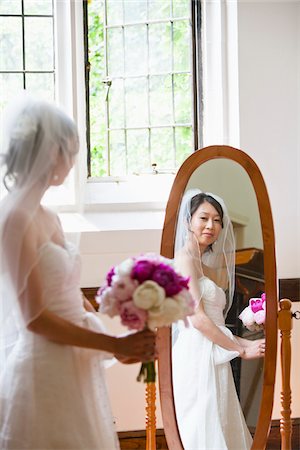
column 35, row 134
column 222, row 255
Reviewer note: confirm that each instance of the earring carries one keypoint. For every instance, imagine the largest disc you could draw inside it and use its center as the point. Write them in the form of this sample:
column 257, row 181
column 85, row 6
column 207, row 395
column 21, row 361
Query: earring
column 55, row 177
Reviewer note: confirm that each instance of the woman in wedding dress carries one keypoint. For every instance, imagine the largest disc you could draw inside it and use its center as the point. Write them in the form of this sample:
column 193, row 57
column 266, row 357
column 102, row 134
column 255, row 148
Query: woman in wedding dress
column 52, row 344
column 208, row 411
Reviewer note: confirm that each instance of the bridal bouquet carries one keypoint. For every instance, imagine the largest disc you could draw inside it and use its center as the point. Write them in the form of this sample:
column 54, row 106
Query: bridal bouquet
column 254, row 315
column 146, row 291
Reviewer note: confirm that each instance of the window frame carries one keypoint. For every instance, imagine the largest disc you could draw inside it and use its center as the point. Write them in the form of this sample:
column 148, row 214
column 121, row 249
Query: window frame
column 196, row 74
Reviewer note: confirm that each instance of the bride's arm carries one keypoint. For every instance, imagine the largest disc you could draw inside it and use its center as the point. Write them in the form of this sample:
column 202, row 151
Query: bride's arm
column 40, row 320
column 207, row 327
column 140, row 345
column 204, row 324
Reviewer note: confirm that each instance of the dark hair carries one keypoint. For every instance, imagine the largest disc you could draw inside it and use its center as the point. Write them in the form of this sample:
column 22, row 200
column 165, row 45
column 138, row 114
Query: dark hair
column 198, row 199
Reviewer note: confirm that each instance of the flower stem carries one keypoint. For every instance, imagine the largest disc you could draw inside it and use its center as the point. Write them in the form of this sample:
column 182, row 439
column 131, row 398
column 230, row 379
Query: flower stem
column 147, row 372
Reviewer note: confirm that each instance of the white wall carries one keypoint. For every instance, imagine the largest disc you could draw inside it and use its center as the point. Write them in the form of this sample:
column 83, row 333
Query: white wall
column 269, row 73
column 269, row 60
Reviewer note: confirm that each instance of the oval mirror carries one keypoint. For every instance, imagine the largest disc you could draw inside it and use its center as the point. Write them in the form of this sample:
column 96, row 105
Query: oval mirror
column 232, row 175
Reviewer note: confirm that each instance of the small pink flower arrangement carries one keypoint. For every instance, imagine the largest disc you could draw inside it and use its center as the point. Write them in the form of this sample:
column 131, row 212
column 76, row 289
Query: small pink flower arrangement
column 146, row 291
column 254, row 315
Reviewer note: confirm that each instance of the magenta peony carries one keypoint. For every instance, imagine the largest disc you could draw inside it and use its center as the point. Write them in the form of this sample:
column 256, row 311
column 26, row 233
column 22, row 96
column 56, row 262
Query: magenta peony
column 167, row 278
column 143, row 270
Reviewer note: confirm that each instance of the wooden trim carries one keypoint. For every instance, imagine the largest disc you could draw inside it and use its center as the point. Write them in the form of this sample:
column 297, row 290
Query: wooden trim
column 285, row 327
column 290, row 288
column 90, row 293
column 136, row 439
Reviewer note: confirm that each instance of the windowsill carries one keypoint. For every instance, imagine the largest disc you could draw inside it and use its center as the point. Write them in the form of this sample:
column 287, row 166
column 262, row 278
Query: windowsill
column 99, row 221
column 133, row 192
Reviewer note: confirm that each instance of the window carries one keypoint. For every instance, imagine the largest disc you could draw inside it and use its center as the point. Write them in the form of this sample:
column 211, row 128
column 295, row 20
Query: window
column 27, row 58
column 139, row 82
column 139, row 113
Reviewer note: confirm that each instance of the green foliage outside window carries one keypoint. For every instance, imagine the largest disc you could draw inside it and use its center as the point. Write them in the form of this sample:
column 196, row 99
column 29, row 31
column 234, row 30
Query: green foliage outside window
column 147, row 118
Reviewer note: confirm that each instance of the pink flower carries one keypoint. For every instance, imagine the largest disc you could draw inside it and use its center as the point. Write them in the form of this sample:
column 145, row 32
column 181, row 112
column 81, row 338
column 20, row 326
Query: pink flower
column 110, row 275
column 167, row 278
column 108, row 304
column 133, row 317
column 256, row 304
column 263, row 297
column 123, row 287
column 143, row 270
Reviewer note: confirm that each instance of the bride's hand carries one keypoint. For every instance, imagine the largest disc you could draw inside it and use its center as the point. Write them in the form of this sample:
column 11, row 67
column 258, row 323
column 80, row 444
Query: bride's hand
column 136, row 347
column 254, row 349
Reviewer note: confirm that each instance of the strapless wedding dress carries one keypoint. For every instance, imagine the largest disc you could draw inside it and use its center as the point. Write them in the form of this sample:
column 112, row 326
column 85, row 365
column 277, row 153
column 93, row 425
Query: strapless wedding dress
column 208, row 411
column 54, row 396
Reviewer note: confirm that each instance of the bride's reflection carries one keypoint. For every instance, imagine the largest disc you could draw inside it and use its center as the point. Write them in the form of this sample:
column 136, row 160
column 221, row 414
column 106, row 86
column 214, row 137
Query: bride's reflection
column 207, row 407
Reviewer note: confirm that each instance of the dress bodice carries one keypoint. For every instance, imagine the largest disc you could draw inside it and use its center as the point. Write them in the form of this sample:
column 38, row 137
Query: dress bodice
column 213, row 300
column 60, row 268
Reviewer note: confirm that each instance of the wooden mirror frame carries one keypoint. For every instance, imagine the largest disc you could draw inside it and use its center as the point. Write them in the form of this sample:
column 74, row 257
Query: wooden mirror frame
column 167, row 249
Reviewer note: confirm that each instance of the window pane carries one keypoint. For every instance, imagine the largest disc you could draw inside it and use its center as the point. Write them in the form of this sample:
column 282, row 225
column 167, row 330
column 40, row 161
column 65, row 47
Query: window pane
column 182, row 98
column 98, row 155
column 160, row 48
column 136, row 102
column 114, row 11
column 159, row 9
column 139, row 59
column 39, row 43
column 184, row 143
column 116, row 104
column 136, row 50
column 41, row 84
column 10, row 7
column 181, row 36
column 10, row 84
column 117, row 153
column 162, row 148
column 135, row 11
column 138, row 151
column 181, row 9
column 161, row 100
column 115, row 52
column 43, row 7
column 11, row 56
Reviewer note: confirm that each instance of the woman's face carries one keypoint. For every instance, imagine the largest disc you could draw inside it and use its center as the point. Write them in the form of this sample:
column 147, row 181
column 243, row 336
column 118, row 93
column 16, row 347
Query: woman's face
column 206, row 225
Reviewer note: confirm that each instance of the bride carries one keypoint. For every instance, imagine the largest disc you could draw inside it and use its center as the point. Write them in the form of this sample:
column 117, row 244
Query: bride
column 52, row 346
column 208, row 411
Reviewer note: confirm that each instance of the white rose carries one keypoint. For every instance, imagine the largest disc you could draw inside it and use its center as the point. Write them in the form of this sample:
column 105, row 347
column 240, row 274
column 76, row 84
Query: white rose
column 170, row 312
column 125, row 267
column 107, row 302
column 247, row 317
column 149, row 294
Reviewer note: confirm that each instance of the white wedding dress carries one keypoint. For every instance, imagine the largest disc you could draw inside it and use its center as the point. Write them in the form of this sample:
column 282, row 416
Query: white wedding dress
column 63, row 404
column 208, row 411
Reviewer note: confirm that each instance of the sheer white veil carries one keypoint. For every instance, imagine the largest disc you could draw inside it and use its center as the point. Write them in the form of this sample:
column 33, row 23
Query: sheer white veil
column 221, row 256
column 35, row 134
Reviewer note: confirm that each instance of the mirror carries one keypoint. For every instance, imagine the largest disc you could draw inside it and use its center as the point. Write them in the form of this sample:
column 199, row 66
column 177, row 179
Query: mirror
column 250, row 212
